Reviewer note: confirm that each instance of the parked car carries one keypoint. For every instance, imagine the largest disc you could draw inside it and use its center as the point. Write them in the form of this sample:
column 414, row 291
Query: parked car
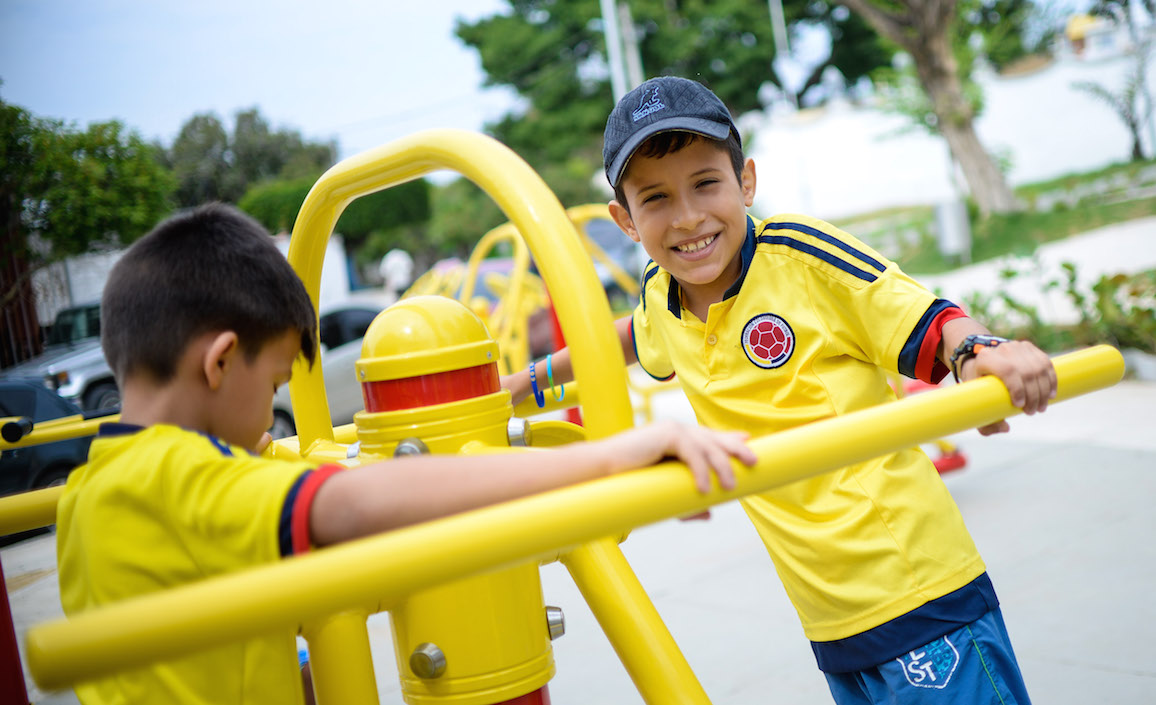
column 34, row 467
column 72, row 364
column 341, row 330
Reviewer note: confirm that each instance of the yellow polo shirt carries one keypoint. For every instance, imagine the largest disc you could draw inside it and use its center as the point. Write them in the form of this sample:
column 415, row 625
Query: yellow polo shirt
column 809, row 331
column 159, row 507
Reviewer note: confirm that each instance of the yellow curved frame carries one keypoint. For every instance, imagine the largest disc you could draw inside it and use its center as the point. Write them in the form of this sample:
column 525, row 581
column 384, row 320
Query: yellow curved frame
column 531, row 207
column 509, row 321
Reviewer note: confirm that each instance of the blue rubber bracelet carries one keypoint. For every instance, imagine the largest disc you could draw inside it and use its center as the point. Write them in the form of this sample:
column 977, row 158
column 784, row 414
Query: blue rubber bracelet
column 539, row 397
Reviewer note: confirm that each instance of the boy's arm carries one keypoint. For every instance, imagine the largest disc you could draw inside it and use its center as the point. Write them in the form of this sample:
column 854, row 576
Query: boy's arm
column 519, row 382
column 1025, row 370
column 385, row 496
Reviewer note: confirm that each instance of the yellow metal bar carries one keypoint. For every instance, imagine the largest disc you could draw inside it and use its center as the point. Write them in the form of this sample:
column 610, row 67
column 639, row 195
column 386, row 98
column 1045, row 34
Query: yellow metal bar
column 611, row 589
column 580, row 215
column 60, row 430
column 530, row 206
column 508, row 322
column 386, row 568
column 340, row 659
column 29, row 510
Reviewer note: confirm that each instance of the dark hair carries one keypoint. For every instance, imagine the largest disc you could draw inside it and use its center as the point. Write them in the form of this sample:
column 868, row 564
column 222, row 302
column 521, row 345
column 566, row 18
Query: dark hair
column 211, row 268
column 665, row 143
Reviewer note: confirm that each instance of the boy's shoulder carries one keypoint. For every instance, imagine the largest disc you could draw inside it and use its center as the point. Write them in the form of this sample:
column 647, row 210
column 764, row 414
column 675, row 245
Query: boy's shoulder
column 821, row 247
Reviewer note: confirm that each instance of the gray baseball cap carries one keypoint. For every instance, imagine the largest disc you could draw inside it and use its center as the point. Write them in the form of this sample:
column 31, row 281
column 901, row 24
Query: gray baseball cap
column 663, row 104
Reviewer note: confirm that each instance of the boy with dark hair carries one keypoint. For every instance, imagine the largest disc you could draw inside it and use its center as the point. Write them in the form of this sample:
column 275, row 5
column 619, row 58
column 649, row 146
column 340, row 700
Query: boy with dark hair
column 774, row 324
column 204, row 319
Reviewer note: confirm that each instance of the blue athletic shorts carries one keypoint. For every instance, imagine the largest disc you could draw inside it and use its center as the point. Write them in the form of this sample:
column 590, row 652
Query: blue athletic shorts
column 973, row 665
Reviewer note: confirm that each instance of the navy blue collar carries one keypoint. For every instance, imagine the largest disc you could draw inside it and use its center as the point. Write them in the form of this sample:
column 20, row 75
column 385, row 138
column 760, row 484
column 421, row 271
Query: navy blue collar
column 115, row 428
column 674, row 300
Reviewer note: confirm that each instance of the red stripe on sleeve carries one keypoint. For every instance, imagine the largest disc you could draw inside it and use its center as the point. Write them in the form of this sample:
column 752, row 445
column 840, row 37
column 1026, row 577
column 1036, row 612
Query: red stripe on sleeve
column 303, row 503
column 929, row 368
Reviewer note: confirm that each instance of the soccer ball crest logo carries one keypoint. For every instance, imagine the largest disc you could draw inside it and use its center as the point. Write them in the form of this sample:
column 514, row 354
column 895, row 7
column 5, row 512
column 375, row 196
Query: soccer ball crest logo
column 768, row 341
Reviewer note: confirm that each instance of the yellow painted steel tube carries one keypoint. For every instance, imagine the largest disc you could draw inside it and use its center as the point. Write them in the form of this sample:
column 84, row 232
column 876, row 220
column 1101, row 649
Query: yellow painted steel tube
column 29, row 510
column 623, row 610
column 527, row 203
column 59, row 430
column 580, row 215
column 340, row 659
column 388, row 567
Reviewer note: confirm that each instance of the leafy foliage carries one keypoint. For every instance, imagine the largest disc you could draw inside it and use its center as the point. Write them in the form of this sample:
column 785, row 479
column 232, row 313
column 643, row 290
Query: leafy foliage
column 1120, row 309
column 371, row 225
column 65, row 191
column 210, row 164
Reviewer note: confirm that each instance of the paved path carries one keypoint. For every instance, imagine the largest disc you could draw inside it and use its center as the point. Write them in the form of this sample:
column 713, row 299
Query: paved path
column 1122, row 248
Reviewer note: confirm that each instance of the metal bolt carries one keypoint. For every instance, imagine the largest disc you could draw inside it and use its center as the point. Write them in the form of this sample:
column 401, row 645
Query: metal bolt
column 410, row 446
column 518, row 431
column 555, row 622
column 427, row 661
column 362, row 373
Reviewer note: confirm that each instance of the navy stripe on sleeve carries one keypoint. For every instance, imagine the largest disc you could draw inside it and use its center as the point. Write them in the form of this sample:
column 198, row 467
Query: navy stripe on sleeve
column 827, row 257
column 909, row 355
column 831, row 239
column 285, row 524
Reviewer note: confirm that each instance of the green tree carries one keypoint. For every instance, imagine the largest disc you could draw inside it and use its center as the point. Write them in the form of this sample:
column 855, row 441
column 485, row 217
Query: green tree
column 65, row 191
column 212, row 164
column 199, row 159
column 370, row 226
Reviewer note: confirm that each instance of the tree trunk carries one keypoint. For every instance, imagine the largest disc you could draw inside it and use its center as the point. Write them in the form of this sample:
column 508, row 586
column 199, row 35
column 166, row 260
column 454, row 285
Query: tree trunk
column 955, row 120
column 923, row 30
column 19, row 325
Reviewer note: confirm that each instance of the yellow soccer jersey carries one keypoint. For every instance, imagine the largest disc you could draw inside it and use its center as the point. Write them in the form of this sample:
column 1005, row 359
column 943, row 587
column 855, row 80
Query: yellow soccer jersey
column 158, row 507
column 809, row 331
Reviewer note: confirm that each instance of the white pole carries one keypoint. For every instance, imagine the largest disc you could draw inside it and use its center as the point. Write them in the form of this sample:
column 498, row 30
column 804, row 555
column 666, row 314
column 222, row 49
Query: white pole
column 633, row 58
column 779, row 27
column 613, row 49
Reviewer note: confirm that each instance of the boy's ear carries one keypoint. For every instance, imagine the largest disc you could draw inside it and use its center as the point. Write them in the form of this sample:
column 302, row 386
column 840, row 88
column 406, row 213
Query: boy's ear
column 622, row 217
column 219, row 355
column 749, row 182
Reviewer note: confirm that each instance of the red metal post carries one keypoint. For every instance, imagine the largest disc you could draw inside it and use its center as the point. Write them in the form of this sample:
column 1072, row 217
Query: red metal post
column 12, row 688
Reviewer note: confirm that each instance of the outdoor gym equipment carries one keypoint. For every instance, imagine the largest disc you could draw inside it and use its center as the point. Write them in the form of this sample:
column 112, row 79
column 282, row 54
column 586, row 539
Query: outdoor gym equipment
column 425, row 573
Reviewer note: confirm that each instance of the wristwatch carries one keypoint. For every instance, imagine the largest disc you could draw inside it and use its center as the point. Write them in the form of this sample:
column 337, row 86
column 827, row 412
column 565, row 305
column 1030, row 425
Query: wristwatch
column 969, row 347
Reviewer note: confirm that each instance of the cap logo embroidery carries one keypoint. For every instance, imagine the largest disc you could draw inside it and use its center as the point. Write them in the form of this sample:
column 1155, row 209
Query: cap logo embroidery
column 650, row 103
column 768, row 341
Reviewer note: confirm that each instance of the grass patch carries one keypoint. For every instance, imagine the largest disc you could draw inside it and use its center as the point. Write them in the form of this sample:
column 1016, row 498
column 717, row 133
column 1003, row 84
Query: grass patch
column 1021, row 233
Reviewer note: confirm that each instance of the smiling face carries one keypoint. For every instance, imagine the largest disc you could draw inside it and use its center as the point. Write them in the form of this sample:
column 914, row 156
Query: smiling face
column 688, row 209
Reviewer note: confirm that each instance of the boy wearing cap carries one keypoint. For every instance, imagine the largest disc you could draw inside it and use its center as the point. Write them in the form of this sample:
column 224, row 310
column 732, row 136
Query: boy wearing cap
column 769, row 325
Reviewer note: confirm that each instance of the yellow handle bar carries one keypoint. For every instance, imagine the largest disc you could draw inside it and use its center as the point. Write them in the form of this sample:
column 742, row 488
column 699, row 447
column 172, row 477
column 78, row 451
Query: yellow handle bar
column 384, row 569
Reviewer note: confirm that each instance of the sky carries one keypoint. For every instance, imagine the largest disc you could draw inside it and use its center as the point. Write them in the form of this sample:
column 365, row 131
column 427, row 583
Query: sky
column 361, row 72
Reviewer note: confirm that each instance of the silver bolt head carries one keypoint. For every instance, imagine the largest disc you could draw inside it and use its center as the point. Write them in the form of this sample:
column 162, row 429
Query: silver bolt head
column 427, row 661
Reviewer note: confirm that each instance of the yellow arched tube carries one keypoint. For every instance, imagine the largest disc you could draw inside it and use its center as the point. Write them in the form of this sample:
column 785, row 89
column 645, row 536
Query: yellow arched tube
column 529, row 205
column 508, row 322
